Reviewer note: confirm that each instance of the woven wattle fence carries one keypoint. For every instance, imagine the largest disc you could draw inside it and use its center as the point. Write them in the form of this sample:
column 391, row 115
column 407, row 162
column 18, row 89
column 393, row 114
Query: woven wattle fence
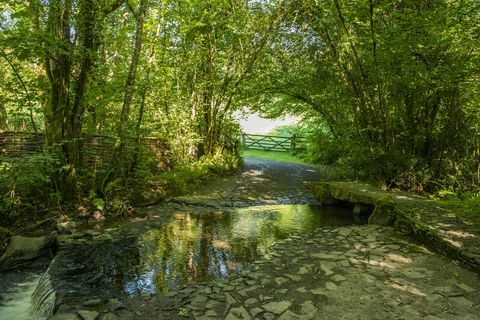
column 96, row 152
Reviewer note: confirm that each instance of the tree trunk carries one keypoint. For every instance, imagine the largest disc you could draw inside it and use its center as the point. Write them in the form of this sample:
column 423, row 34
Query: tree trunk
column 58, row 65
column 3, row 117
column 129, row 85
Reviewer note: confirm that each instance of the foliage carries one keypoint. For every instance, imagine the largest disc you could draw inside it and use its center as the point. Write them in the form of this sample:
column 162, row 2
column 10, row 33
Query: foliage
column 467, row 209
column 186, row 178
column 388, row 91
column 390, row 85
column 27, row 188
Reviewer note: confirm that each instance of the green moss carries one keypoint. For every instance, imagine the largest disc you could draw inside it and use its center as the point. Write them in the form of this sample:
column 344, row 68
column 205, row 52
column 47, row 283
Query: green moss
column 468, row 209
column 384, row 212
column 323, row 193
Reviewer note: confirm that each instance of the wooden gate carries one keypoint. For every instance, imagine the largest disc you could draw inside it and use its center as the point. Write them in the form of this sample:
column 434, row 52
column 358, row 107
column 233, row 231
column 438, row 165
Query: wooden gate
column 272, row 143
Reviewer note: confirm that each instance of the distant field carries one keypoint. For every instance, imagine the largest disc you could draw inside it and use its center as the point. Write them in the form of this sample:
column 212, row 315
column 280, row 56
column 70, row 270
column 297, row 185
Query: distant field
column 272, row 155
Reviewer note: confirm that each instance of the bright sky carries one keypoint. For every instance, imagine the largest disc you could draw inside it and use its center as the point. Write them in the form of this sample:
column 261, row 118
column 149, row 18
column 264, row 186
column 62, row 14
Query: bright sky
column 255, row 124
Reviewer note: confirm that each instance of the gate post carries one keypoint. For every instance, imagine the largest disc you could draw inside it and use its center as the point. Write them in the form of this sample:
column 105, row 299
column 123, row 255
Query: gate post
column 293, row 144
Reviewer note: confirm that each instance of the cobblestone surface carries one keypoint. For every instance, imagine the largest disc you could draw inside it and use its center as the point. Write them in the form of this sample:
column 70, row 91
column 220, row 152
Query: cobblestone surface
column 355, row 272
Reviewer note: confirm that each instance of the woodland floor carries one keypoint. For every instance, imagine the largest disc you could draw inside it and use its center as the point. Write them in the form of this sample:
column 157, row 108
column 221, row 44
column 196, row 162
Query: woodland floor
column 352, row 272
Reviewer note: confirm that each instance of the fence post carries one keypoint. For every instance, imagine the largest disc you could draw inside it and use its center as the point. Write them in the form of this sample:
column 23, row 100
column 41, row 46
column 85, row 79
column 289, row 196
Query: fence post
column 293, row 144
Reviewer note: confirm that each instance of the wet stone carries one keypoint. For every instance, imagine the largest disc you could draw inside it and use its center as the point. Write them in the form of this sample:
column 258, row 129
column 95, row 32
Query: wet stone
column 326, row 256
column 92, row 302
column 198, row 302
column 277, row 307
column 319, row 291
column 280, row 280
column 245, row 292
column 461, row 301
column 109, row 316
column 268, row 316
column 289, row 315
column 238, row 313
column 255, row 311
column 302, row 290
column 114, row 304
column 465, row 287
column 308, row 310
column 331, row 286
column 88, row 315
column 64, row 316
column 250, row 301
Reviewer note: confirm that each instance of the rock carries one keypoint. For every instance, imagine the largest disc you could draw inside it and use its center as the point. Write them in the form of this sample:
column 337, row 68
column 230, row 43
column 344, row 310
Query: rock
column 230, row 299
column 361, row 210
column 147, row 196
column 345, row 231
column 268, row 316
column 255, row 311
column 109, row 316
column 302, row 271
column 289, row 315
column 325, row 268
column 293, row 277
column 64, row 316
column 250, row 301
column 277, row 307
column 65, row 227
column 199, row 301
column 323, row 193
column 319, row 291
column 331, row 286
column 114, row 304
column 92, row 302
column 88, row 315
column 238, row 313
column 384, row 213
column 308, row 310
column 465, row 287
column 22, row 249
column 326, row 256
column 125, row 314
column 461, row 301
column 211, row 313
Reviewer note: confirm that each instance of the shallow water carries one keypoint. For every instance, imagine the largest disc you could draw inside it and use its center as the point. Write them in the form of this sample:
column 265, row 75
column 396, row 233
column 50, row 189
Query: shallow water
column 197, row 248
column 15, row 294
column 157, row 256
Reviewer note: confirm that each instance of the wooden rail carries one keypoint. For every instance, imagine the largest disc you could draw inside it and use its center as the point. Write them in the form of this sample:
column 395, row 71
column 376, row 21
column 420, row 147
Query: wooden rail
column 273, row 143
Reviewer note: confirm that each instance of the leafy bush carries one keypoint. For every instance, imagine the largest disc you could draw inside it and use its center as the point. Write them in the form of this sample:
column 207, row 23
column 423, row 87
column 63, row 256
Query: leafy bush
column 27, row 187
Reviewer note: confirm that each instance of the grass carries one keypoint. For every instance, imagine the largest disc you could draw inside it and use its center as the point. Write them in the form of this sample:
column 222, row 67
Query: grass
column 468, row 209
column 272, row 155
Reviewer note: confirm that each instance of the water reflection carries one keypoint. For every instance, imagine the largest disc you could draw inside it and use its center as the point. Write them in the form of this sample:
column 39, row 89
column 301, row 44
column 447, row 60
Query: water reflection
column 211, row 246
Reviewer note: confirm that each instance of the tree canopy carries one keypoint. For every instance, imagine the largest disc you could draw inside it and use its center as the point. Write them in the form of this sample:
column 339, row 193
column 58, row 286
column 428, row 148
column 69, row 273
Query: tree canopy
column 388, row 90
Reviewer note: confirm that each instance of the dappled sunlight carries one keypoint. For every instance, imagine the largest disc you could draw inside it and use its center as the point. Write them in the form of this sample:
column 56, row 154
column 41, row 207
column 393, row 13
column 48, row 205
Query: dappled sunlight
column 403, row 198
column 454, row 243
column 408, row 288
column 460, row 234
column 398, row 258
column 201, row 247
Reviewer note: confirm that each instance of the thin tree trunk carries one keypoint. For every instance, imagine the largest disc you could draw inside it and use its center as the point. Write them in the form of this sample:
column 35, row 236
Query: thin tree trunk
column 129, row 85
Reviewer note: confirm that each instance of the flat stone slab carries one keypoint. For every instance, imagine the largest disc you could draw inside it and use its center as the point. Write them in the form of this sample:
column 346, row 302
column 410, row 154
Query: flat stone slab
column 416, row 216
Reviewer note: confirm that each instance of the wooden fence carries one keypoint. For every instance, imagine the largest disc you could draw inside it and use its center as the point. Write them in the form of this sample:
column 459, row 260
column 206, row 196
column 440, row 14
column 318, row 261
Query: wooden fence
column 97, row 152
column 291, row 144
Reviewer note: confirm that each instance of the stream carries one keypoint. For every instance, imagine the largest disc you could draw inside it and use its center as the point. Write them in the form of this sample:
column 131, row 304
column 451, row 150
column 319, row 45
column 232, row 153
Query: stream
column 171, row 247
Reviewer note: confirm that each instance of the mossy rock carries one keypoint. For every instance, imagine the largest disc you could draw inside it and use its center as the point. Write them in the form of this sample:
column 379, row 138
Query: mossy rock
column 323, row 193
column 148, row 196
column 384, row 212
